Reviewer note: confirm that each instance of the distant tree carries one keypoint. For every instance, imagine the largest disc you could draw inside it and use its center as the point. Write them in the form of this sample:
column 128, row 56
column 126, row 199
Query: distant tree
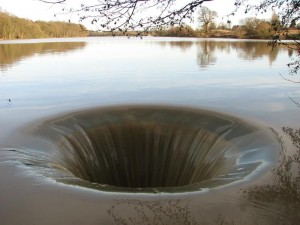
column 4, row 25
column 213, row 26
column 206, row 18
column 176, row 31
column 256, row 28
column 275, row 22
column 250, row 26
column 264, row 30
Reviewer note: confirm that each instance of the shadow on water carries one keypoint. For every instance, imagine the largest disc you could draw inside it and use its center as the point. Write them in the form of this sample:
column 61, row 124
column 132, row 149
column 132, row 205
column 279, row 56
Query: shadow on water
column 147, row 149
column 11, row 54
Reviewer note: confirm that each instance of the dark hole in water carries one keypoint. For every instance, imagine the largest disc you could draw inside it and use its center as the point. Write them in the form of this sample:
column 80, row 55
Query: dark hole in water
column 153, row 154
column 144, row 147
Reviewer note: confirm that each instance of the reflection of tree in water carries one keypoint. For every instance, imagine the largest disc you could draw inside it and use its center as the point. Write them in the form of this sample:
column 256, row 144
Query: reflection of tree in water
column 282, row 198
column 207, row 50
column 182, row 45
column 249, row 50
column 206, row 53
column 12, row 53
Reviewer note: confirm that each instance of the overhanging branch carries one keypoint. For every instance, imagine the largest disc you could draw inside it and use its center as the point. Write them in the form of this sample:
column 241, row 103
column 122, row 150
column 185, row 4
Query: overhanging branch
column 130, row 15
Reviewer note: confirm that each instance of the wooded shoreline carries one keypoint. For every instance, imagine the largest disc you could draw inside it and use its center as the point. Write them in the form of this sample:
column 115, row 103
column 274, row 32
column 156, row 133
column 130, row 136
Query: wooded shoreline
column 12, row 27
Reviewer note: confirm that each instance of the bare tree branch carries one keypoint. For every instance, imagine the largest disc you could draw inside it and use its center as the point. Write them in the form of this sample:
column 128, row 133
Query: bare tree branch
column 53, row 2
column 132, row 15
column 289, row 80
column 295, row 102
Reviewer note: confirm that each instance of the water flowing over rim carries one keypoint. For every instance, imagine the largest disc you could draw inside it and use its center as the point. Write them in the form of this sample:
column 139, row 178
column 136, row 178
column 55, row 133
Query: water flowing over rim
column 201, row 149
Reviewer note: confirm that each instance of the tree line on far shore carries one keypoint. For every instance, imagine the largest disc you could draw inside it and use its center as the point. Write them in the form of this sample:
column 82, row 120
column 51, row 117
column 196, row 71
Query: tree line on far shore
column 12, row 27
column 250, row 28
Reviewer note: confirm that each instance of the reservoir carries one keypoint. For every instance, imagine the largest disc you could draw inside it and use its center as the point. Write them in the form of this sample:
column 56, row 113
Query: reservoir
column 148, row 131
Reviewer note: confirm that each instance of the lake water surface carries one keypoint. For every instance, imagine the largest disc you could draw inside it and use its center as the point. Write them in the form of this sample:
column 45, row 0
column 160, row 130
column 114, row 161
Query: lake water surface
column 229, row 95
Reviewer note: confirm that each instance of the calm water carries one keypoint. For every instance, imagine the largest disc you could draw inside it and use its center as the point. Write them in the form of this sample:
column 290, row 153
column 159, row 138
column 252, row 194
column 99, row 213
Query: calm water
column 45, row 83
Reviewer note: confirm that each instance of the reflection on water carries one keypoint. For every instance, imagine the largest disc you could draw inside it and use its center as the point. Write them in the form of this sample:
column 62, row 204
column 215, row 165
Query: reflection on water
column 183, row 45
column 55, row 157
column 208, row 50
column 255, row 50
column 135, row 148
column 282, row 198
column 13, row 53
column 206, row 54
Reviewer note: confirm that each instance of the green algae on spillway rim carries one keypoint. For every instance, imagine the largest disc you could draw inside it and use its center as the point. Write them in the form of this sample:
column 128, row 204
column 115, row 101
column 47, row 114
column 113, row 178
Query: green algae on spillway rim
column 146, row 148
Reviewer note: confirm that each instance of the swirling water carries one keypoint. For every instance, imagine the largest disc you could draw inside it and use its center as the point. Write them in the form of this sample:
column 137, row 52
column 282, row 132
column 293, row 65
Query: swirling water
column 106, row 130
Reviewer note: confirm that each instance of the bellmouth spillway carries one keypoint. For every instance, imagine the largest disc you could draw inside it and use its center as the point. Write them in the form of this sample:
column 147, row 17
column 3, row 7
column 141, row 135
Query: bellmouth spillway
column 145, row 149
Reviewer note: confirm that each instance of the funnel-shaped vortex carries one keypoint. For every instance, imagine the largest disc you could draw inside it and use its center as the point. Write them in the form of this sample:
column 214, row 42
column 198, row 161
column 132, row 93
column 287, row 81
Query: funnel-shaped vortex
column 146, row 147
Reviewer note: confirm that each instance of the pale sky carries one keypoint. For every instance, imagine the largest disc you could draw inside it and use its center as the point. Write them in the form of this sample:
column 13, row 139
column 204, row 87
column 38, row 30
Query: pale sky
column 36, row 10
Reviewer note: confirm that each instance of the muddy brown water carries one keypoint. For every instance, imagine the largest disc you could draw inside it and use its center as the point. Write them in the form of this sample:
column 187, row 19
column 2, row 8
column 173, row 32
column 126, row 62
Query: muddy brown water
column 158, row 131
